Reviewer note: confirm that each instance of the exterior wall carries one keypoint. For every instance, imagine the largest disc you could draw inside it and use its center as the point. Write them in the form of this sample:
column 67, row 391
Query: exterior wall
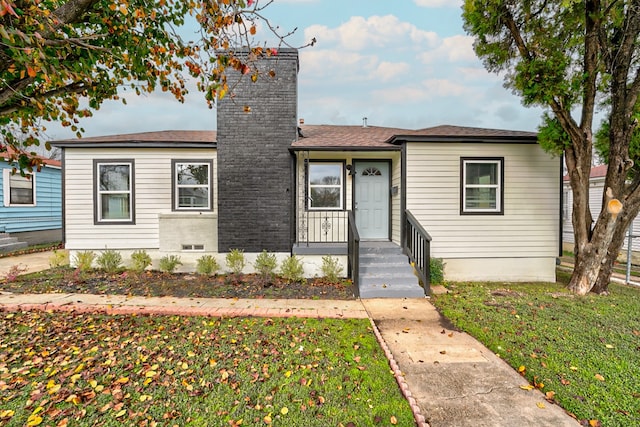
column 47, row 212
column 152, row 184
column 255, row 130
column 338, row 219
column 487, row 247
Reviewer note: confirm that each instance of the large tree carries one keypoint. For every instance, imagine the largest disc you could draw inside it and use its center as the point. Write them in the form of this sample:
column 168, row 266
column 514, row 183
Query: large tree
column 54, row 53
column 573, row 58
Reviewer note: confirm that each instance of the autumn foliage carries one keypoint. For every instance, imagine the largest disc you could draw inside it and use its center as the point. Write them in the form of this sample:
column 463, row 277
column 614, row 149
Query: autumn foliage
column 60, row 59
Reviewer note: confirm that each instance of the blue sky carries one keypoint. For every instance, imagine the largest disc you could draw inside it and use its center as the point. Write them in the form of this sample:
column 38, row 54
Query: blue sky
column 400, row 63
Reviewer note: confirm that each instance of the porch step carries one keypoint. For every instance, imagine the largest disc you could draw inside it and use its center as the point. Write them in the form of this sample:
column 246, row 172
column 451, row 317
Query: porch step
column 385, row 272
column 8, row 243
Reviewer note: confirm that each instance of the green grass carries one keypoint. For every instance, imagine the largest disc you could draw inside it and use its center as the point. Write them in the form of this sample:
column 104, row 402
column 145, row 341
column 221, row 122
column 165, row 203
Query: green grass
column 99, row 370
column 44, row 247
column 583, row 352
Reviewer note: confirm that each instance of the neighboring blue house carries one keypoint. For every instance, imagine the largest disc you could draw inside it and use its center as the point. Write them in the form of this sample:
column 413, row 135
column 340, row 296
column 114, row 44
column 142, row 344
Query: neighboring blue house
column 30, row 207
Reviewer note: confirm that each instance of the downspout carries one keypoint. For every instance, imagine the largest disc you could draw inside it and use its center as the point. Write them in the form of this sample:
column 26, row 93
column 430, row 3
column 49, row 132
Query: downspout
column 561, row 232
column 63, row 193
column 294, row 192
column 403, row 195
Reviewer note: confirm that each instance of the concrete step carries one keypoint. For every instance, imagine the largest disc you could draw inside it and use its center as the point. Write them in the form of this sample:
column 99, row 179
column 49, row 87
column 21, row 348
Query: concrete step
column 385, row 272
column 9, row 244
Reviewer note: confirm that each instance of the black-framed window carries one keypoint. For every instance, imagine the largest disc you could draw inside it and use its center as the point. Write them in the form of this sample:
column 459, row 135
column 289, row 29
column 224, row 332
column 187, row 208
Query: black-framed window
column 114, row 195
column 192, row 185
column 482, row 186
column 18, row 190
column 326, row 185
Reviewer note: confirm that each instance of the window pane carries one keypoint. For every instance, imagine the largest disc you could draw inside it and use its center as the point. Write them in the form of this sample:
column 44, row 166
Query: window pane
column 114, row 177
column 21, row 190
column 325, row 197
column 21, row 196
column 193, row 174
column 482, row 173
column 193, row 197
column 325, row 174
column 481, row 198
column 115, row 206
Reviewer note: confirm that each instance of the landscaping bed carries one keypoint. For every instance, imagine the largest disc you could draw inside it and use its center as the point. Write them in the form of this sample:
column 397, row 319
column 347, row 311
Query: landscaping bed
column 156, row 283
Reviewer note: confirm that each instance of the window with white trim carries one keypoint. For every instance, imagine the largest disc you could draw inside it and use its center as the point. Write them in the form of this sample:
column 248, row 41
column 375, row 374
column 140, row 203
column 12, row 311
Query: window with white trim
column 481, row 185
column 114, row 191
column 326, row 185
column 192, row 185
column 18, row 190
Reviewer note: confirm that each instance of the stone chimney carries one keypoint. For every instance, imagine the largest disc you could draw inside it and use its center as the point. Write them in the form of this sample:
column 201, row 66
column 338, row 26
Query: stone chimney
column 256, row 126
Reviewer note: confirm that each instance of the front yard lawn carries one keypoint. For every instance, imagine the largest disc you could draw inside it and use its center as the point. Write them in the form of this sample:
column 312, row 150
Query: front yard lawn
column 583, row 352
column 59, row 369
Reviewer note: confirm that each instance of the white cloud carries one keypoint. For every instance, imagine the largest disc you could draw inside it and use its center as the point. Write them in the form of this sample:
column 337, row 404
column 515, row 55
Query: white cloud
column 458, row 48
column 374, row 32
column 438, row 3
column 386, row 71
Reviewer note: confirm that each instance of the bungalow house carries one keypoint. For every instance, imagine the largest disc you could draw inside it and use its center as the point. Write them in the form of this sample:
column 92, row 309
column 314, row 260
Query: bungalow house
column 485, row 201
column 31, row 209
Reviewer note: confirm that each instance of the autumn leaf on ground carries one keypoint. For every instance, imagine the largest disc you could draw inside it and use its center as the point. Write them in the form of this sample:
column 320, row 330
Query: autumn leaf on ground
column 598, row 377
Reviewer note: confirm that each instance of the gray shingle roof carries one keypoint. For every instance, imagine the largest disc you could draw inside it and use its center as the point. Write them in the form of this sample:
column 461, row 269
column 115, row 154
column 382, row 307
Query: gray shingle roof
column 349, row 137
column 166, row 137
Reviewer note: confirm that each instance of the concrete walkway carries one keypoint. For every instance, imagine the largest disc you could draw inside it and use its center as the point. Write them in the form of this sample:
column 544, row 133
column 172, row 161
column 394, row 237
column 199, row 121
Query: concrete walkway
column 449, row 378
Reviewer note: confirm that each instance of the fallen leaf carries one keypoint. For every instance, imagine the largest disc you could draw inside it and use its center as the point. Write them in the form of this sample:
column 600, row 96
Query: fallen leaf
column 527, row 387
column 540, row 405
column 393, row 420
column 598, row 377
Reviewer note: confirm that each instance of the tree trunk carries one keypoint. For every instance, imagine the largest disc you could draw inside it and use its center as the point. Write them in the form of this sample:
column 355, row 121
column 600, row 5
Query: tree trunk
column 594, row 258
column 622, row 225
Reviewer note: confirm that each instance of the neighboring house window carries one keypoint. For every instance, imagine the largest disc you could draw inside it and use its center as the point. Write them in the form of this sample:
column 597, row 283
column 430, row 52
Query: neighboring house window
column 192, row 185
column 18, row 190
column 481, row 185
column 114, row 191
column 326, row 189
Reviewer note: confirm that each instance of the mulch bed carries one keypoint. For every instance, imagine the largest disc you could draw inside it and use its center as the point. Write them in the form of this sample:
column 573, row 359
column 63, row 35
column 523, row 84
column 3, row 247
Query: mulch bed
column 184, row 285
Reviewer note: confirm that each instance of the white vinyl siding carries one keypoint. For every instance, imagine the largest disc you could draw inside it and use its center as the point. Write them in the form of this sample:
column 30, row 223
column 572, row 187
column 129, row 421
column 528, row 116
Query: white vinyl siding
column 529, row 226
column 153, row 196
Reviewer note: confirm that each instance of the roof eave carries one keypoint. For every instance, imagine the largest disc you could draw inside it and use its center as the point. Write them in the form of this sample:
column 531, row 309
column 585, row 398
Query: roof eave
column 133, row 144
column 401, row 139
column 302, row 148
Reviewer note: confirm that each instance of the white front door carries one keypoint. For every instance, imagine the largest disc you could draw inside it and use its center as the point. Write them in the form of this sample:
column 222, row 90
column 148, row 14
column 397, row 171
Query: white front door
column 372, row 189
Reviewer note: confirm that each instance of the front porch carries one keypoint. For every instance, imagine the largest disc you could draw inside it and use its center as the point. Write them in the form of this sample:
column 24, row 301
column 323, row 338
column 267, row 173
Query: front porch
column 378, row 268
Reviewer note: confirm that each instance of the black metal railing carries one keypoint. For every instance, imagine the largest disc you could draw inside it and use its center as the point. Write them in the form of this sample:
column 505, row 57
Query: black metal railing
column 417, row 246
column 322, row 227
column 353, row 257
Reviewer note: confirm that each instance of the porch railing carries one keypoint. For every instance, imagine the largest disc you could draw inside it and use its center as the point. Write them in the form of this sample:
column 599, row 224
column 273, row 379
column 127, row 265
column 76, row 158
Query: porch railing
column 417, row 246
column 353, row 256
column 323, row 227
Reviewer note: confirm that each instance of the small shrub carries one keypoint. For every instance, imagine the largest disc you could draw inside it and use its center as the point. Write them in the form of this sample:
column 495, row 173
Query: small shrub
column 84, row 260
column 59, row 258
column 14, row 271
column 235, row 261
column 207, row 264
column 292, row 269
column 436, row 266
column 140, row 260
column 109, row 260
column 169, row 263
column 331, row 268
column 266, row 265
